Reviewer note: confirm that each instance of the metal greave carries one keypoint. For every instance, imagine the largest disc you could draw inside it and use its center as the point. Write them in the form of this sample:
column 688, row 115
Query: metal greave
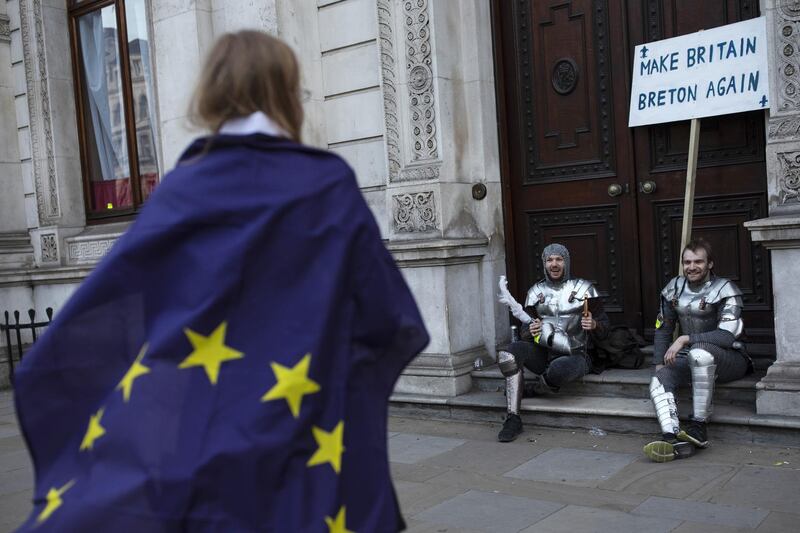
column 703, row 369
column 666, row 409
column 514, row 385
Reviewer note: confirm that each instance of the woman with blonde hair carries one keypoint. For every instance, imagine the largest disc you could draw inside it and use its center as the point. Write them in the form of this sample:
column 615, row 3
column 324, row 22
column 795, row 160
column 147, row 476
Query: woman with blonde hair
column 227, row 366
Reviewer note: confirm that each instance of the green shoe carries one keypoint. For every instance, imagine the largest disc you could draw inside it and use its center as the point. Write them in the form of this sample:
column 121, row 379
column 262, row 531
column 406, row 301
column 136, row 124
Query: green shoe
column 663, row 451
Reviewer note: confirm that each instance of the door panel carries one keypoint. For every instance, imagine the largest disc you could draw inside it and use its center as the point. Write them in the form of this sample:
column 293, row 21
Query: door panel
column 731, row 179
column 563, row 127
column 563, row 73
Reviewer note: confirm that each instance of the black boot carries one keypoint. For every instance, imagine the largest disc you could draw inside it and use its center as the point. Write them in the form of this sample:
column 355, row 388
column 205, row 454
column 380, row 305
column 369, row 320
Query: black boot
column 512, row 428
column 667, row 449
column 695, row 434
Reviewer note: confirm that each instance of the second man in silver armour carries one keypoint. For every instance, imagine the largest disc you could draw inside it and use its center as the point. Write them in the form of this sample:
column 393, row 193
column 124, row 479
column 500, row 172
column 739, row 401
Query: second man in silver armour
column 708, row 310
column 554, row 346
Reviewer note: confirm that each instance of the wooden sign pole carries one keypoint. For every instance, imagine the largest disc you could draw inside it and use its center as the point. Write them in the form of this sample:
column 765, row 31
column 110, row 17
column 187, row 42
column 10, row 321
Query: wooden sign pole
column 688, row 201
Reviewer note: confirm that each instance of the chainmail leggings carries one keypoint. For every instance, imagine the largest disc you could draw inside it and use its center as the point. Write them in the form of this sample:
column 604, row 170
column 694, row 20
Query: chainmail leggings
column 731, row 365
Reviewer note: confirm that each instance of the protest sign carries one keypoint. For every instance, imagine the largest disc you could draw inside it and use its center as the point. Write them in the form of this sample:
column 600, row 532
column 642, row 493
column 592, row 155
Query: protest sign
column 714, row 72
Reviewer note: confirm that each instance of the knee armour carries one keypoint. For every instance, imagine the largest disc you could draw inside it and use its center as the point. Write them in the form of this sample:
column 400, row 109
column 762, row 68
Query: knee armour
column 507, row 363
column 701, row 362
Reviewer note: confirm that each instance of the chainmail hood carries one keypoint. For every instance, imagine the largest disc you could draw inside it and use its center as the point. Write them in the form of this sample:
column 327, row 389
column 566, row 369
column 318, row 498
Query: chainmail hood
column 556, row 249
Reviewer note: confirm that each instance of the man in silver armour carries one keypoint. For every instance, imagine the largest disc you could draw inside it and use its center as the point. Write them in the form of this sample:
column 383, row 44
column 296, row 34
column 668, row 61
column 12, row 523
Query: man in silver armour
column 554, row 344
column 709, row 311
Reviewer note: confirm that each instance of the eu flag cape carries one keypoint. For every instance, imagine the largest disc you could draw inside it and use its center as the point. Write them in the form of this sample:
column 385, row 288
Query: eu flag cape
column 227, row 366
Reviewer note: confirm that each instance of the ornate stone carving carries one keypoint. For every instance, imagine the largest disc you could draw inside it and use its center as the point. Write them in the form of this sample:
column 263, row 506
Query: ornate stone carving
column 414, row 212
column 786, row 128
column 787, row 30
column 790, row 181
column 420, row 81
column 49, row 247
column 41, row 130
column 565, row 76
column 82, row 252
column 5, row 28
column 420, row 88
column 385, row 24
column 790, row 9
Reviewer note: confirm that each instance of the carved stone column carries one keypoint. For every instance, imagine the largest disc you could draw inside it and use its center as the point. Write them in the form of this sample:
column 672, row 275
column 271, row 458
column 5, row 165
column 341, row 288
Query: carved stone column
column 779, row 391
column 443, row 180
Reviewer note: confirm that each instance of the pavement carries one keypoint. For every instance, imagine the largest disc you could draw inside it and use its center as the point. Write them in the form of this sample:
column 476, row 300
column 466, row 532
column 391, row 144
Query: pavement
column 455, row 477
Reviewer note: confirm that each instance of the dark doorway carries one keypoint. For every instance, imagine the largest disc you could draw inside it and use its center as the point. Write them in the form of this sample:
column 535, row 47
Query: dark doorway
column 573, row 171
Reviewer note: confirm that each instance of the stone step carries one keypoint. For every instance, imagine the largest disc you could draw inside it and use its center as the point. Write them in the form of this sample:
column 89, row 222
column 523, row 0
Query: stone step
column 731, row 422
column 623, row 383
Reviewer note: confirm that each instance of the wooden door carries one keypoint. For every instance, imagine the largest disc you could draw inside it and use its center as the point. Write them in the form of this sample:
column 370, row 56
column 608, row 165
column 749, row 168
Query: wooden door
column 563, row 85
column 731, row 178
column 573, row 172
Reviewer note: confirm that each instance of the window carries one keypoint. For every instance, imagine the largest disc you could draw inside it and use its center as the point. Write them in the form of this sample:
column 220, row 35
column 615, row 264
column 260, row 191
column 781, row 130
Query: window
column 115, row 96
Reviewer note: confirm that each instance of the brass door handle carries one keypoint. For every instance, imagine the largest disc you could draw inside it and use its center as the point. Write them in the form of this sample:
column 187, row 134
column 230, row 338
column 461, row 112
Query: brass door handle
column 647, row 187
column 615, row 189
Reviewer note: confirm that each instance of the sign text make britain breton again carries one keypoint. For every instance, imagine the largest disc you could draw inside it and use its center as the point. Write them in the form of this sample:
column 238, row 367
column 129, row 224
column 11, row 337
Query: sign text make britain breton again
column 713, row 72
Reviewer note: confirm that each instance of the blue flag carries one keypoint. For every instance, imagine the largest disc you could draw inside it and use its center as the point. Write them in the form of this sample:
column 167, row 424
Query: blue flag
column 227, row 366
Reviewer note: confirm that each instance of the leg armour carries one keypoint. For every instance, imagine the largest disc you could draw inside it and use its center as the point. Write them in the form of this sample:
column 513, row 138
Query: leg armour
column 703, row 375
column 514, row 380
column 666, row 410
column 507, row 363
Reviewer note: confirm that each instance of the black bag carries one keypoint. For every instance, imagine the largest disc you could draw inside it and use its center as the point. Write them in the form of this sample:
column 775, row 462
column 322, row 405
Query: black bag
column 621, row 348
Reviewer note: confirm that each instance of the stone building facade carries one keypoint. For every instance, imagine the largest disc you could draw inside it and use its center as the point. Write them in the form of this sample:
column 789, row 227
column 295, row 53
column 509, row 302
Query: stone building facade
column 405, row 91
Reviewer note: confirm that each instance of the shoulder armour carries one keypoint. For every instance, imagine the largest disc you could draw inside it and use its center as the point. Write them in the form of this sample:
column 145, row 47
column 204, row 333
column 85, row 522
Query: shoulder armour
column 673, row 288
column 584, row 288
column 533, row 294
column 722, row 288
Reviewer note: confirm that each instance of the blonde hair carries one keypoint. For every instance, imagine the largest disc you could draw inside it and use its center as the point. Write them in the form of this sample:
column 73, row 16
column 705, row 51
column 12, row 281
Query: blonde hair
column 245, row 72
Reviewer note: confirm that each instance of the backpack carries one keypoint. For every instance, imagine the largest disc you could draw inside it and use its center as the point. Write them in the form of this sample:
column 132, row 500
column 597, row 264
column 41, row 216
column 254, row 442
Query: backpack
column 621, row 348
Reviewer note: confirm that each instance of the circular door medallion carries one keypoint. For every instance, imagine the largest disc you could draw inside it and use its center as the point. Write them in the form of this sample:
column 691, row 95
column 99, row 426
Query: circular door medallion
column 565, row 76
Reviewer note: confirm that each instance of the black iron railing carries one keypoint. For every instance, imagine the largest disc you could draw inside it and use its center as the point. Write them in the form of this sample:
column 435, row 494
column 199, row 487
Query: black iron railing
column 14, row 332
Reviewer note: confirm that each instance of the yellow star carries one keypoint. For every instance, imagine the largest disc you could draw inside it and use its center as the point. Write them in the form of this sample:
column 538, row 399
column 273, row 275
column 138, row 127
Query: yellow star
column 53, row 501
column 292, row 385
column 330, row 447
column 337, row 525
column 209, row 352
column 94, row 431
column 137, row 369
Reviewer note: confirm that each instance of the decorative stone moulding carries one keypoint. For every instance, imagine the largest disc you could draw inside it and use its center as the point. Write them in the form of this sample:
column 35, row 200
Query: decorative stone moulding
column 83, row 251
column 422, row 161
column 790, row 177
column 787, row 31
column 49, row 243
column 41, row 128
column 414, row 212
column 5, row 28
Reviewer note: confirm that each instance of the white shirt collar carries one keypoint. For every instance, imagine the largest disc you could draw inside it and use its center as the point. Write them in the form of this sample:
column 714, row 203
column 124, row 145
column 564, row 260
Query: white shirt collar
column 257, row 122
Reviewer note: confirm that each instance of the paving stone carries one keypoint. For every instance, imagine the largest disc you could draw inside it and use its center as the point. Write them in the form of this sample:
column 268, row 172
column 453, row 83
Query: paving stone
column 697, row 527
column 679, row 479
column 8, row 430
column 14, row 460
column 586, row 468
column 707, row 513
column 488, row 511
column 417, row 497
column 779, row 523
column 773, row 488
column 423, row 527
column 486, row 456
column 539, row 490
column 575, row 518
column 411, row 448
column 14, row 509
column 415, row 473
column 16, row 481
